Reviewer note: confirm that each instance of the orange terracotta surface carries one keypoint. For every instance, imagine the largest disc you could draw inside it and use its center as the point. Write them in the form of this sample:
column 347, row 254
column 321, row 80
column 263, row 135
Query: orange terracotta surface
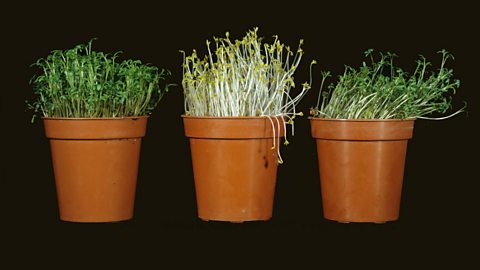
column 234, row 167
column 95, row 163
column 361, row 165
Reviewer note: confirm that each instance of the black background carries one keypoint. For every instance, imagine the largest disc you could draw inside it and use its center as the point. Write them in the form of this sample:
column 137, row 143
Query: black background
column 439, row 202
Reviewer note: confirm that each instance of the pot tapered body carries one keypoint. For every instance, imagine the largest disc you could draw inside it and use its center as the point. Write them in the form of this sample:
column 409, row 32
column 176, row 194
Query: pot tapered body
column 234, row 166
column 95, row 163
column 361, row 165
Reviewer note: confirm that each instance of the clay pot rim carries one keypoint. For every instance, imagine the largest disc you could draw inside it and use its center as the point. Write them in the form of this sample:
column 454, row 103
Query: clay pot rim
column 359, row 120
column 230, row 117
column 94, row 118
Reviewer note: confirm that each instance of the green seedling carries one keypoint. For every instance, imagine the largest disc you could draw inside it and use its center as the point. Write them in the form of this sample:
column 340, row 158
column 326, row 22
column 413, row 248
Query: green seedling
column 382, row 91
column 82, row 83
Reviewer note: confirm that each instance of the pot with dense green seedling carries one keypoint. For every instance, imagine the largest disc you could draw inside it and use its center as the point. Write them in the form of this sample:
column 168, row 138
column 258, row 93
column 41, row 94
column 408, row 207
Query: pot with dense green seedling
column 237, row 106
column 362, row 125
column 95, row 109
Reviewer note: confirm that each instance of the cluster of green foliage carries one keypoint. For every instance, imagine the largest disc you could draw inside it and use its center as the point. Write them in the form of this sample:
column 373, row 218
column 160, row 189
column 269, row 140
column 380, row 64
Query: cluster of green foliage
column 81, row 83
column 383, row 91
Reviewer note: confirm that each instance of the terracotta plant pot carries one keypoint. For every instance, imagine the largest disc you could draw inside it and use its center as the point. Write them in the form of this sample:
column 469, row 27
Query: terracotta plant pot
column 95, row 163
column 234, row 166
column 361, row 166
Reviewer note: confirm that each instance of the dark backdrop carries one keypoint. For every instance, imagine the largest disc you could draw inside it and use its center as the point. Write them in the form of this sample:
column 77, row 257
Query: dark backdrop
column 439, row 205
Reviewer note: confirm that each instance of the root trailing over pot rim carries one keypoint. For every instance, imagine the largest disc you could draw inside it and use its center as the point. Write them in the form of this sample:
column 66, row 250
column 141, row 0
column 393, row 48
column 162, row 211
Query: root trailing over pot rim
column 277, row 127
